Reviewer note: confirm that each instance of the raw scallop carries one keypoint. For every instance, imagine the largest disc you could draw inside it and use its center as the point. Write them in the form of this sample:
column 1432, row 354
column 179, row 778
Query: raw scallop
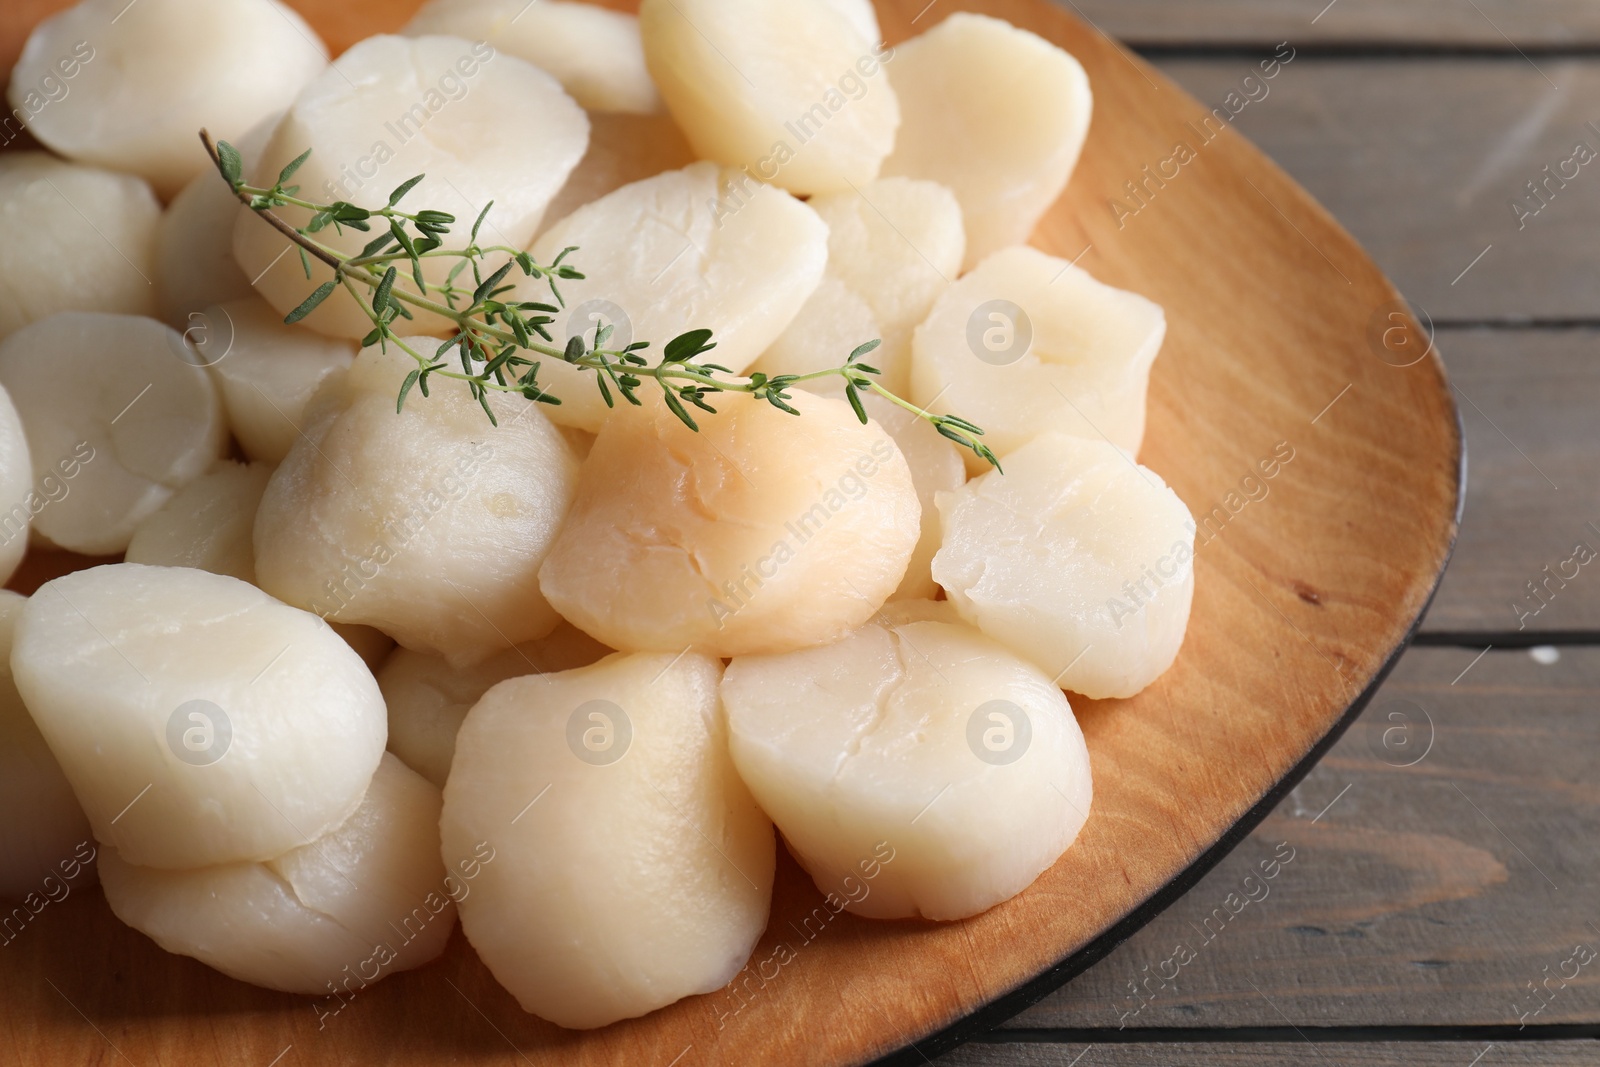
column 1075, row 557
column 659, row 263
column 147, row 76
column 199, row 721
column 42, row 837
column 207, row 524
column 19, row 498
column 430, row 524
column 762, row 532
column 995, row 113
column 73, row 238
column 366, row 900
column 594, row 53
column 194, row 260
column 898, row 243
column 1028, row 343
column 139, row 423
column 428, row 698
column 267, row 371
column 623, row 149
column 915, row 770
column 396, row 107
column 632, row 868
column 793, row 92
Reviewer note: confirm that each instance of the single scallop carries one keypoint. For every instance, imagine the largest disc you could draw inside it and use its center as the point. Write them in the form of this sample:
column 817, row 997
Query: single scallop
column 194, row 264
column 73, row 238
column 1028, row 343
column 1077, row 558
column 831, row 325
column 199, row 721
column 897, row 242
column 140, row 422
column 48, row 832
column 660, row 261
column 937, row 466
column 430, row 524
column 795, row 93
column 390, row 109
column 632, row 867
column 267, row 371
column 916, row 770
column 136, row 82
column 594, row 53
column 623, row 148
column 366, row 900
column 428, row 698
column 19, row 499
column 997, row 114
column 370, row 643
column 762, row 532
column 207, row 524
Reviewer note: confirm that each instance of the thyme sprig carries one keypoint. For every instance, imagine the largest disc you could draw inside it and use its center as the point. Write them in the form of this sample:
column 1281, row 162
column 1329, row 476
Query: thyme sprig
column 495, row 339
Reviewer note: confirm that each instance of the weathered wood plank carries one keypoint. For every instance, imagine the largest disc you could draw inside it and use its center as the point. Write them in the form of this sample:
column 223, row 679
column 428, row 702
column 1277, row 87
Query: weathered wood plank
column 1529, row 23
column 1376, row 1054
column 1420, row 160
column 1436, row 894
column 1528, row 402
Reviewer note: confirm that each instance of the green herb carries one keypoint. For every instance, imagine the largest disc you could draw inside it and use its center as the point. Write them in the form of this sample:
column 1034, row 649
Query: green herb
column 496, row 338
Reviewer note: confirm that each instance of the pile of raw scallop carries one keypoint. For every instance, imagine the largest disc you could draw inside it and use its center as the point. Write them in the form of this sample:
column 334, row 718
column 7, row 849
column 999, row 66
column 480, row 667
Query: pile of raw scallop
column 567, row 676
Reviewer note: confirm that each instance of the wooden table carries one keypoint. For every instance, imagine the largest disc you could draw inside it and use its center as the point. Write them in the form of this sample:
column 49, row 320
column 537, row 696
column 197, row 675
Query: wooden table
column 1430, row 909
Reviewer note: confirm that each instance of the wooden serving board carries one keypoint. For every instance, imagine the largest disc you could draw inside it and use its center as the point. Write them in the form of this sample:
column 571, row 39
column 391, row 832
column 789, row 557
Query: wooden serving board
column 1283, row 335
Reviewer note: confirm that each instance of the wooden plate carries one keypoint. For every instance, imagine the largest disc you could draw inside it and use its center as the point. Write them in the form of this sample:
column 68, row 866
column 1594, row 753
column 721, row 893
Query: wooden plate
column 1284, row 339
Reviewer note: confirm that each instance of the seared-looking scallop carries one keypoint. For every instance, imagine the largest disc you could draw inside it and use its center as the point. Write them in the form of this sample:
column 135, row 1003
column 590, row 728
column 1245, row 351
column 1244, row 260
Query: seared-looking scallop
column 660, row 260
column 140, row 424
column 631, row 866
column 267, row 371
column 396, row 107
column 916, row 769
column 363, row 901
column 199, row 720
column 997, row 114
column 898, row 243
column 430, row 524
column 761, row 532
column 791, row 91
column 594, row 53
column 48, row 824
column 56, row 219
column 428, row 698
column 1075, row 557
column 142, row 79
column 207, row 524
column 1028, row 343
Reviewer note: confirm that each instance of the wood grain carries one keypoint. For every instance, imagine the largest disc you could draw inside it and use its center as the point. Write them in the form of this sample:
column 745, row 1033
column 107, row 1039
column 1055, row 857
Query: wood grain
column 1494, row 24
column 1274, row 311
column 1528, row 405
column 1425, row 895
column 1421, row 159
column 1230, row 1054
